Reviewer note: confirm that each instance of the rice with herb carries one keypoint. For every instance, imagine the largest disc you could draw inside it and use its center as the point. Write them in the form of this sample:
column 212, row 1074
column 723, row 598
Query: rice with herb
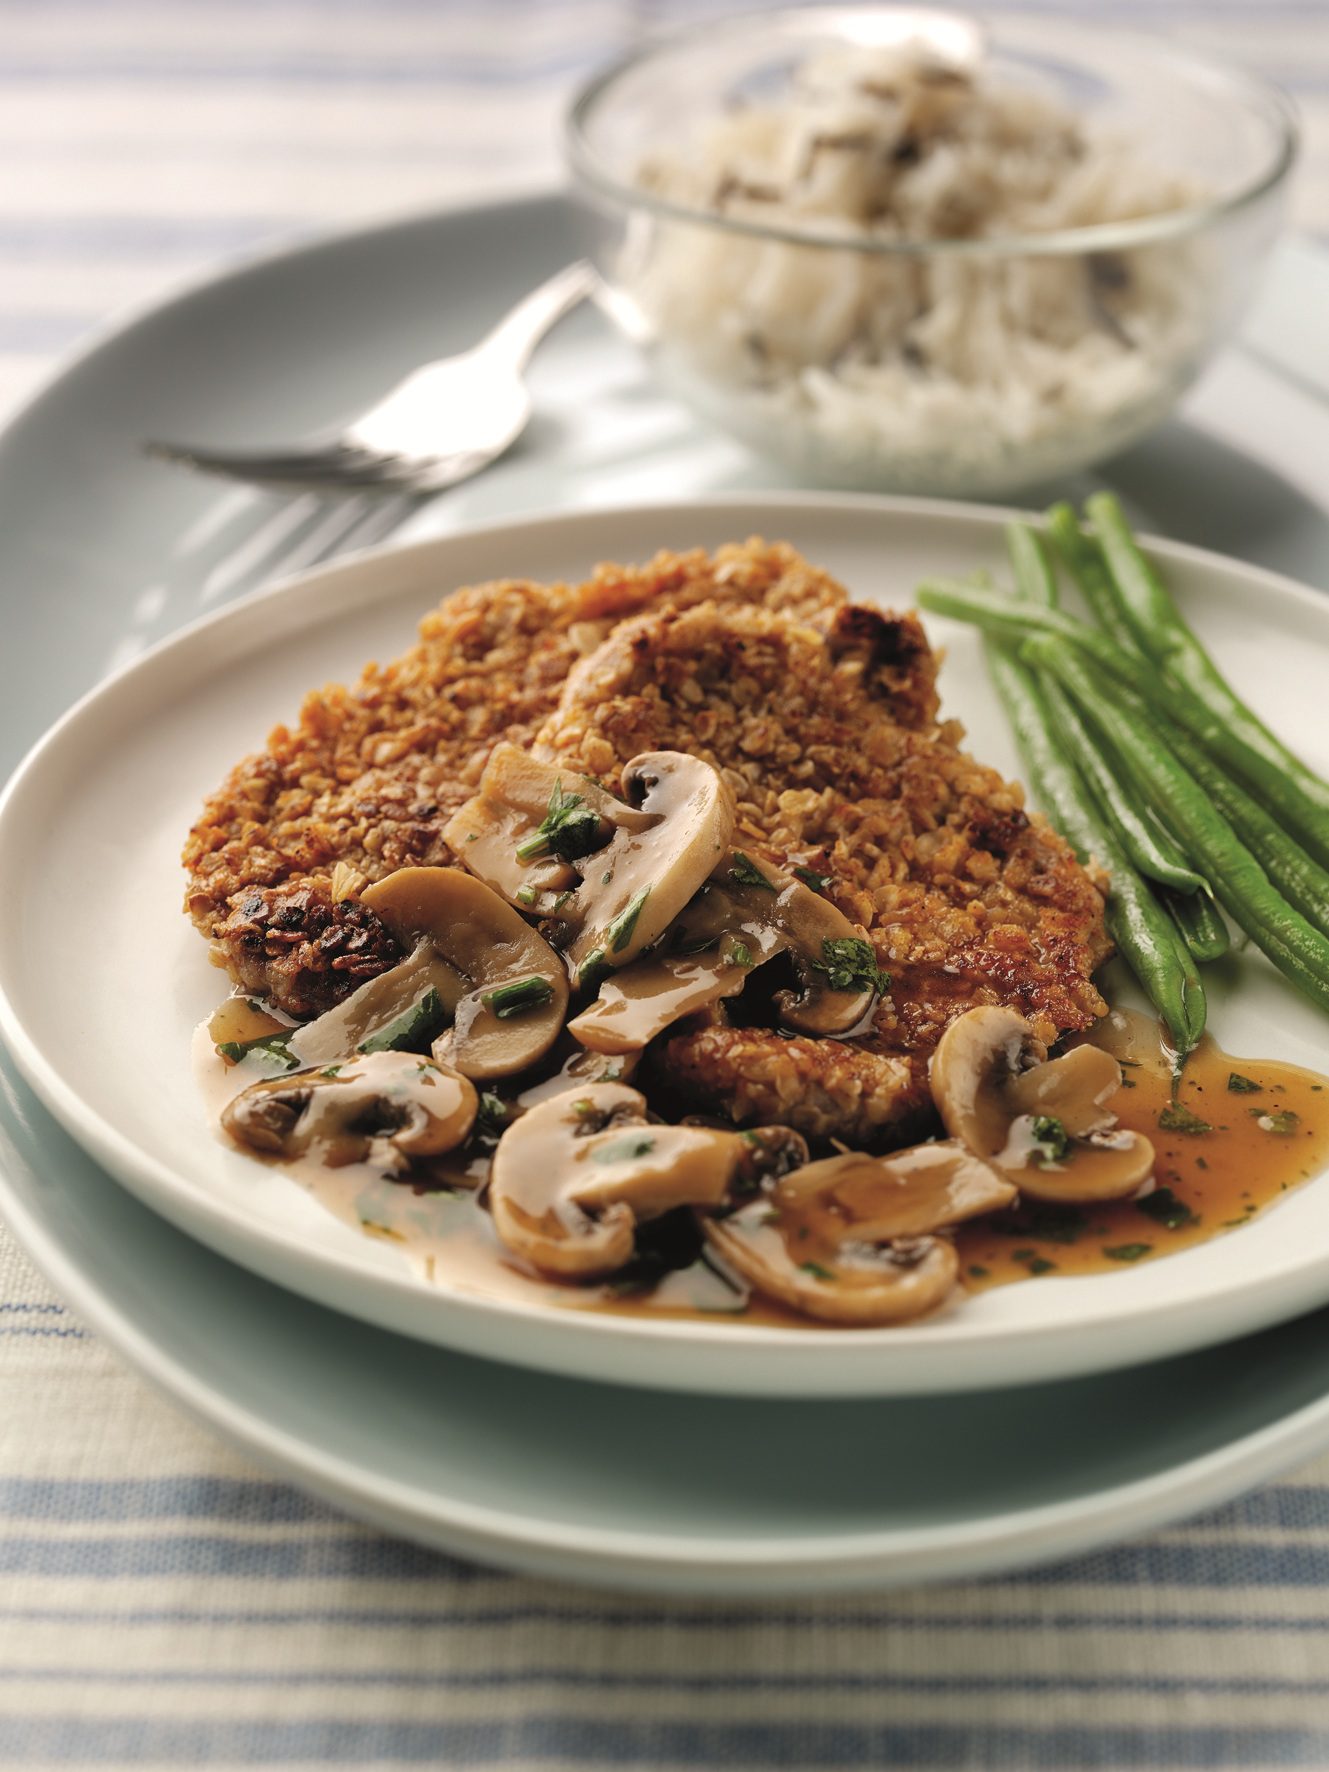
column 927, row 370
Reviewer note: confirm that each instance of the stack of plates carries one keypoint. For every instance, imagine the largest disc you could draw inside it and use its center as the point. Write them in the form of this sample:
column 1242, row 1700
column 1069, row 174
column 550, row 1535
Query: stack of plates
column 1038, row 1420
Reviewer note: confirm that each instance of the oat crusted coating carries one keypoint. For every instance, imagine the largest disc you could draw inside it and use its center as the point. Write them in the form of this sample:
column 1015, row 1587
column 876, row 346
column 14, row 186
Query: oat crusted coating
column 829, row 744
column 368, row 776
column 823, row 718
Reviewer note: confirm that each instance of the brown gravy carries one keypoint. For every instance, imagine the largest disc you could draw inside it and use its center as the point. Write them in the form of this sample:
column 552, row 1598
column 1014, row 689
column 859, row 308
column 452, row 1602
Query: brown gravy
column 1265, row 1135
column 1260, row 1138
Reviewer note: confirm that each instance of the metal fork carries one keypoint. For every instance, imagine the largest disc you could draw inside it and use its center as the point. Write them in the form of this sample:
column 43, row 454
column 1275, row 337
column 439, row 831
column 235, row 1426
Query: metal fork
column 443, row 423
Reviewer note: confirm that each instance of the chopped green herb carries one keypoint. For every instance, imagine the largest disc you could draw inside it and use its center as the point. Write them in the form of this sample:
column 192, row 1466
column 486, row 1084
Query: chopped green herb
column 591, row 967
column 607, row 876
column 559, row 902
column 1129, row 1251
column 1165, row 1208
column 809, row 877
column 740, row 954
column 1049, row 1224
column 1177, row 1118
column 1048, row 1137
column 745, row 872
column 1284, row 1123
column 569, row 829
column 270, row 1046
column 583, row 1108
column 1240, row 1085
column 978, row 1273
column 681, row 946
column 619, row 932
column 525, row 895
column 817, row 1271
column 519, row 997
column 1041, row 1265
column 412, row 1030
column 493, row 1112
column 623, row 1150
column 332, row 1070
column 850, row 964
column 473, row 836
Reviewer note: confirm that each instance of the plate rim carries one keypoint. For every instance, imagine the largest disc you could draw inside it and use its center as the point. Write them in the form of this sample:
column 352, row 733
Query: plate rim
column 586, row 1331
column 1025, row 1538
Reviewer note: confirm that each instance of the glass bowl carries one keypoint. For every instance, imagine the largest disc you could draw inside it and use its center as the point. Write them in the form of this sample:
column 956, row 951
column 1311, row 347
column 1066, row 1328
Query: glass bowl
column 804, row 309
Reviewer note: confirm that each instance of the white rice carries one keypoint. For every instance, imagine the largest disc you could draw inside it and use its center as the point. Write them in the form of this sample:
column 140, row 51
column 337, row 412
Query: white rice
column 922, row 372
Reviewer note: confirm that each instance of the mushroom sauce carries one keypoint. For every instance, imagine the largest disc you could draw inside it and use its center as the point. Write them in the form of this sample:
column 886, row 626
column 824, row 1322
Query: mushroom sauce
column 1236, row 1135
column 478, row 1103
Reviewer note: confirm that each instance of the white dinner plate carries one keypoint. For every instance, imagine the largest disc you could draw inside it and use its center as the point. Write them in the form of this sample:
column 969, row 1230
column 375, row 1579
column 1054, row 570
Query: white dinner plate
column 102, row 979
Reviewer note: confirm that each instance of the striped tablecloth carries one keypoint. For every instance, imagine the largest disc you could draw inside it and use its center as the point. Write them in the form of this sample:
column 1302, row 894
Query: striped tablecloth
column 163, row 1603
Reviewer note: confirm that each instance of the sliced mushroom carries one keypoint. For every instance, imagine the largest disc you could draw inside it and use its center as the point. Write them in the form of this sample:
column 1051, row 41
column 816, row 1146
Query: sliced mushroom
column 642, row 1000
column 637, row 885
column 500, row 833
column 851, row 1239
column 572, row 1178
column 837, row 965
column 1046, row 1123
column 580, row 1067
column 372, row 1010
column 389, row 1105
column 517, row 990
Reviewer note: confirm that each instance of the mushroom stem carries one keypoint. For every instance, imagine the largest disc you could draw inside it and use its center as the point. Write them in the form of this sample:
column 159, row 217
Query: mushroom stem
column 392, row 1105
column 573, row 1177
column 852, row 1239
column 1046, row 1124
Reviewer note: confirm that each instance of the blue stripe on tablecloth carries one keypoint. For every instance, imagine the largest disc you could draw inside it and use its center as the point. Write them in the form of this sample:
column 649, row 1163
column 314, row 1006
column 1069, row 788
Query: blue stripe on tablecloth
column 1290, row 1507
column 595, row 1679
column 1244, row 1564
column 574, row 1615
column 652, row 1742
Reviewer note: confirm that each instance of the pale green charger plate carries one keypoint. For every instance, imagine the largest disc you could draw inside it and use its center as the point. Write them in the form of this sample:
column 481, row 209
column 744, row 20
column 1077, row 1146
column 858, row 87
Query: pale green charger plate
column 101, row 553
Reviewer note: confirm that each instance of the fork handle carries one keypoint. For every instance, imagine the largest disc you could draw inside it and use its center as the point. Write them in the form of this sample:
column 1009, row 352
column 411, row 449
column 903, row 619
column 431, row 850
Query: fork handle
column 518, row 332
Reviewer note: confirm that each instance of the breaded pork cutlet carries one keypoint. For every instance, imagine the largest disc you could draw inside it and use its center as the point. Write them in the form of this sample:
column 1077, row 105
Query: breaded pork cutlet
column 367, row 777
column 826, row 734
column 821, row 715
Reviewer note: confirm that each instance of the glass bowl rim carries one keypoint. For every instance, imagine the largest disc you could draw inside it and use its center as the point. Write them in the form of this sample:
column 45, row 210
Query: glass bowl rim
column 1255, row 91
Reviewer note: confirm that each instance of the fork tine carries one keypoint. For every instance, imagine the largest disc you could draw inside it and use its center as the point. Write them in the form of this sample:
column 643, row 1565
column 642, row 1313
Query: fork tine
column 378, row 524
column 309, row 531
column 335, row 463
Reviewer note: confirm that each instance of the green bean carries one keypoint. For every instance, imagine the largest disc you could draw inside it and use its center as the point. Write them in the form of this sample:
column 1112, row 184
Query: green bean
column 1017, row 619
column 1084, row 561
column 1034, row 577
column 1144, row 933
column 1150, row 849
column 1201, row 925
column 1301, row 880
column 1239, row 882
column 1163, row 636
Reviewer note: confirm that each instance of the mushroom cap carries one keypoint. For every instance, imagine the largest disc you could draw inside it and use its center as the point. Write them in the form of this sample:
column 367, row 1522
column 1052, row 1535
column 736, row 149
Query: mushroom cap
column 493, row 948
column 340, row 1031
column 516, row 794
column 572, row 1177
column 849, row 1239
column 808, row 926
column 992, row 1082
column 905, row 1194
column 413, row 1106
column 867, row 1286
column 637, row 886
